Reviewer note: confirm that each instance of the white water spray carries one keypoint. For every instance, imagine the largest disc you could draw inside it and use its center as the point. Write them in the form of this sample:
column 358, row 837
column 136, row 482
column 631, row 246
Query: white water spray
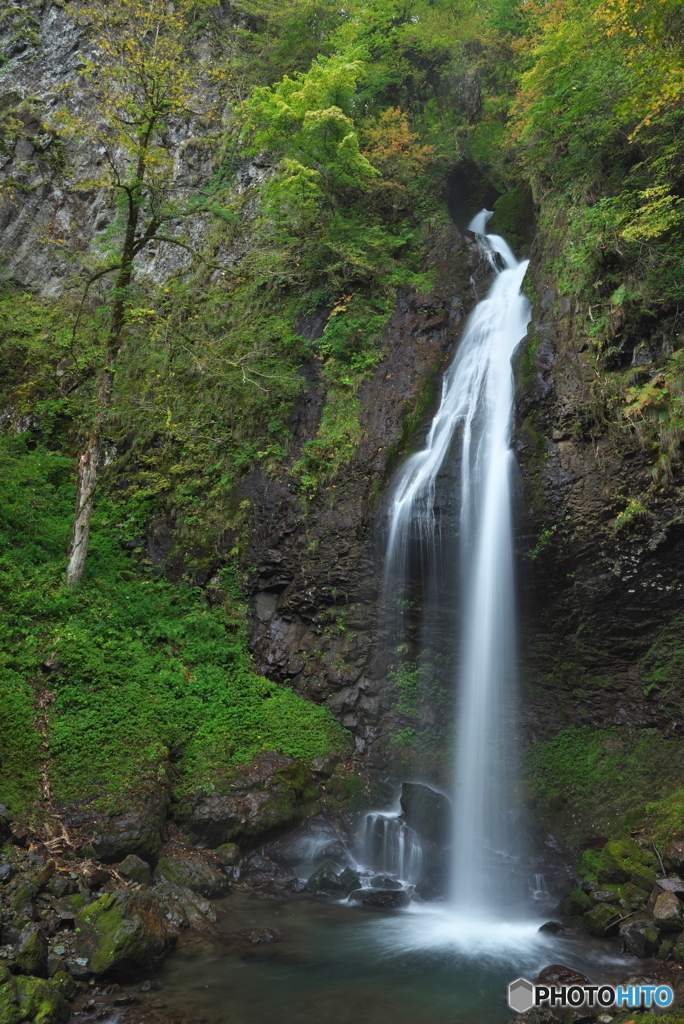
column 477, row 400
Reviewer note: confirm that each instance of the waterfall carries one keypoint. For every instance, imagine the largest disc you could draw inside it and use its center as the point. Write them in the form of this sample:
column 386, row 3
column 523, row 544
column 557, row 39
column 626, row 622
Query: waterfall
column 475, row 410
column 392, row 847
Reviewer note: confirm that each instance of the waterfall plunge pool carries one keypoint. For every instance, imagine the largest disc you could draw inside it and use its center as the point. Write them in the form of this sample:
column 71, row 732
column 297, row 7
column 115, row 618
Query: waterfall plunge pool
column 341, row 964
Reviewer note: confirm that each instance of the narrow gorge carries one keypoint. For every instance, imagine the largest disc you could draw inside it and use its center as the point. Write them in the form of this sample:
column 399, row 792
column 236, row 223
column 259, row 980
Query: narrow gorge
column 341, row 470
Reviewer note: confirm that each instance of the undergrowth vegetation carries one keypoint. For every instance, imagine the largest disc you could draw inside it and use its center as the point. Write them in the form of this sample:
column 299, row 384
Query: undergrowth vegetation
column 130, row 665
column 588, row 782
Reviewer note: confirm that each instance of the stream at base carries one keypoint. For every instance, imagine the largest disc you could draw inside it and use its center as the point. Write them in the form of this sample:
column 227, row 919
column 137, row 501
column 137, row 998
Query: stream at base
column 338, row 964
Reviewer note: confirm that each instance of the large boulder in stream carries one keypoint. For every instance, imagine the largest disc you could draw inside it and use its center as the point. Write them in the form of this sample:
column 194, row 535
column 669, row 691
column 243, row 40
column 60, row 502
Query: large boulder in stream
column 270, row 793
column 326, row 881
column 122, row 935
column 427, row 812
column 381, row 899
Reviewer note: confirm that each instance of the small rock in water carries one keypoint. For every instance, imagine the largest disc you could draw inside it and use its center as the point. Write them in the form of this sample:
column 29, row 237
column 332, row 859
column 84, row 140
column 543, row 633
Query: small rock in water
column 150, row 986
column 257, row 935
column 559, row 974
column 554, row 927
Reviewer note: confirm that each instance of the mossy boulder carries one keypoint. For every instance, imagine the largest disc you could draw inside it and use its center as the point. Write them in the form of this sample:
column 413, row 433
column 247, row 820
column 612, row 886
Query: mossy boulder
column 576, row 904
column 589, row 865
column 608, row 894
column 678, row 950
column 674, row 854
column 25, row 1000
column 31, row 951
column 135, row 868
column 643, row 877
column 272, row 791
column 602, row 920
column 635, row 895
column 620, row 860
column 228, row 854
column 325, row 881
column 191, row 871
column 123, row 935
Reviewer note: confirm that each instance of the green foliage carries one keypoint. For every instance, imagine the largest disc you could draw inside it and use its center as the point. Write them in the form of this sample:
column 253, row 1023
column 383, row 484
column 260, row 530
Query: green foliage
column 584, row 780
column 596, row 126
column 141, row 665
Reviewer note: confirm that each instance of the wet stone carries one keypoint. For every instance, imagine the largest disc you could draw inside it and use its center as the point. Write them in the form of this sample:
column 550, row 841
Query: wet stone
column 383, row 899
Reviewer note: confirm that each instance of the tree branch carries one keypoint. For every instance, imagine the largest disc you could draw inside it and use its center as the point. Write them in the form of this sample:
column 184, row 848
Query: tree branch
column 92, row 280
column 193, row 252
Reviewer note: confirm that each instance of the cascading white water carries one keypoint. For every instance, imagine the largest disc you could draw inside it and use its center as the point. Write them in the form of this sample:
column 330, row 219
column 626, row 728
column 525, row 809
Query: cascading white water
column 477, row 399
column 392, row 847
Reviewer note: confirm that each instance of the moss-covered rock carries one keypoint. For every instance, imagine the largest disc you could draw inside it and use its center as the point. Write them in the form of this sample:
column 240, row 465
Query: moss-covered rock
column 602, row 920
column 31, row 952
column 635, row 895
column 65, row 984
column 619, row 860
column 271, row 792
column 325, row 880
column 122, row 935
column 228, row 854
column 25, row 1000
column 576, row 904
column 192, row 872
column 136, row 869
column 643, row 877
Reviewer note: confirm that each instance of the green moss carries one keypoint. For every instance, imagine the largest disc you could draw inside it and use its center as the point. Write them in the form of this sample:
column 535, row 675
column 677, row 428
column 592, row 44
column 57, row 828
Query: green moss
column 25, row 1000
column 514, row 218
column 576, row 904
column 619, row 859
column 585, row 781
column 144, row 665
column 120, row 935
column 589, row 865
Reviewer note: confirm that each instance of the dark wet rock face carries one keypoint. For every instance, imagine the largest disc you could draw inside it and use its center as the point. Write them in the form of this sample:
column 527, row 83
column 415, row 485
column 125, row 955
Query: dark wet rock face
column 427, row 812
column 318, row 568
column 111, row 838
column 597, row 594
column 273, row 792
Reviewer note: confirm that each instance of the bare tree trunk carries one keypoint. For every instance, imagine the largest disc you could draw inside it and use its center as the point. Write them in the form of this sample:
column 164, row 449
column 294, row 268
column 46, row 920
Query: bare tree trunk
column 80, row 535
column 88, row 460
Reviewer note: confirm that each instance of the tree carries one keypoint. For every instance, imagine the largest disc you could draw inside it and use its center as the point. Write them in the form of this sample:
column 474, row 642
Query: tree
column 139, row 83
